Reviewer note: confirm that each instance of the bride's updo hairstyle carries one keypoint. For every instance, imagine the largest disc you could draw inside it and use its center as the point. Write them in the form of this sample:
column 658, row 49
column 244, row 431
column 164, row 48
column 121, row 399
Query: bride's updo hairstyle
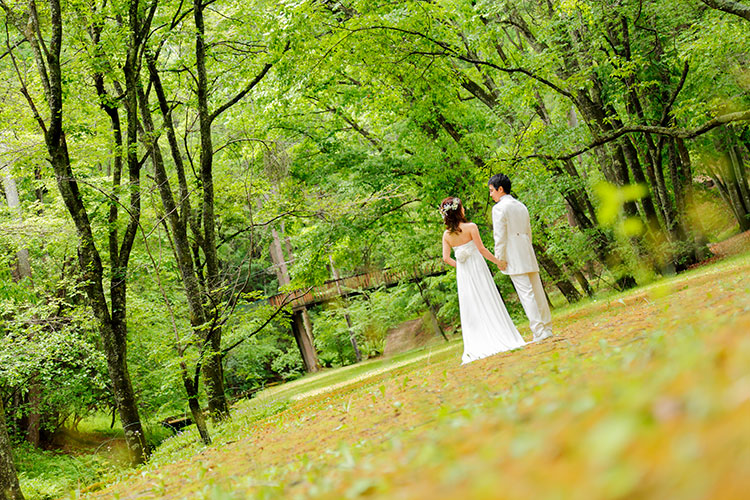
column 453, row 215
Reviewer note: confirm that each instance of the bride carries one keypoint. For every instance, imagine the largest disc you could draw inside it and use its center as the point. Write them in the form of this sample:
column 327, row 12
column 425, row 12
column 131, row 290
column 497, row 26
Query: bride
column 485, row 323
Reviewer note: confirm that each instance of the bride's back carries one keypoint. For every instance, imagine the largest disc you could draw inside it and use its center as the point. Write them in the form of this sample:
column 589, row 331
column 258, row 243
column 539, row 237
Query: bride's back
column 459, row 238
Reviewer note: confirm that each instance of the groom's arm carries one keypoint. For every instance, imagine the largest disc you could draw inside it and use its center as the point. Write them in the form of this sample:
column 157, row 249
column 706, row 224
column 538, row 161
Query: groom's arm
column 500, row 232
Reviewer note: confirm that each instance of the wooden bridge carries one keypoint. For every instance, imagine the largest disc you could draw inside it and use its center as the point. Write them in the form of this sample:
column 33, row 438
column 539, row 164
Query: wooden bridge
column 343, row 287
column 300, row 300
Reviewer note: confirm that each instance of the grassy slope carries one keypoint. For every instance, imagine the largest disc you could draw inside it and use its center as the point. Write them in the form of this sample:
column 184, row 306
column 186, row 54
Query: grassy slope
column 646, row 394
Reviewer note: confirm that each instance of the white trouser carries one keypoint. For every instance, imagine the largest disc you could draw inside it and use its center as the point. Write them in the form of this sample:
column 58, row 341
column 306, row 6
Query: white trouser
column 534, row 302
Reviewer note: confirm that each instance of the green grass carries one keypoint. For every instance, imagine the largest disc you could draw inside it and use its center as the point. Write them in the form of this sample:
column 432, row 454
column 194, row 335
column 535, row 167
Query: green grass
column 312, row 383
column 644, row 394
column 277, row 399
column 48, row 474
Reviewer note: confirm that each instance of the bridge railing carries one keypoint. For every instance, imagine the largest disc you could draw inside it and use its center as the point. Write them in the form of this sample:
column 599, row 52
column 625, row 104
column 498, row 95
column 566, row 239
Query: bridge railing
column 353, row 284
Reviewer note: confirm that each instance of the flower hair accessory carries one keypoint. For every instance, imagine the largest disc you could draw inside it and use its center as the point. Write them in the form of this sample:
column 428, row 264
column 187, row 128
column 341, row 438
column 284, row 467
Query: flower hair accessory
column 453, row 205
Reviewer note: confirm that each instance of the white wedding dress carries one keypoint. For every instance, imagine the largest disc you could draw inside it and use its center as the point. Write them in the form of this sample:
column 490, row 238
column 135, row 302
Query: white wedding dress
column 485, row 323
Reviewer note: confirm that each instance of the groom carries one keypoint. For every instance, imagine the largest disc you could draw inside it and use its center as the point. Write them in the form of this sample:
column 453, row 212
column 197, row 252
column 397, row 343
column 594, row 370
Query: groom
column 512, row 229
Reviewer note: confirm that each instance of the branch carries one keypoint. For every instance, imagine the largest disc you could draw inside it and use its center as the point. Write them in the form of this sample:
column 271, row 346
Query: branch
column 394, row 209
column 287, row 300
column 350, row 121
column 452, row 52
column 146, row 26
column 257, row 224
column 730, row 7
column 242, row 93
column 244, row 139
column 668, row 108
column 10, row 49
column 677, row 133
column 24, row 89
column 524, row 71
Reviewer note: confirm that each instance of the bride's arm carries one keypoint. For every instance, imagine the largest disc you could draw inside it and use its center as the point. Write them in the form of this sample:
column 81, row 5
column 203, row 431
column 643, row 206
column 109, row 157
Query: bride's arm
column 482, row 250
column 447, row 253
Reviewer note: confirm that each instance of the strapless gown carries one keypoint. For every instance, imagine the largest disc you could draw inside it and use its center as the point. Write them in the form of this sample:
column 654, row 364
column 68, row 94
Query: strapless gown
column 485, row 323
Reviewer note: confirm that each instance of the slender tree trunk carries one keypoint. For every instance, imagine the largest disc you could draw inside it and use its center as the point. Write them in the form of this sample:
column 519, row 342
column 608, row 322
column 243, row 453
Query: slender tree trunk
column 563, row 284
column 724, row 174
column 352, row 337
column 432, row 310
column 181, row 246
column 734, row 189
column 304, row 340
column 585, row 285
column 191, row 389
column 699, row 235
column 176, row 214
column 9, row 487
column 21, row 271
column 740, row 174
column 724, row 188
column 212, row 367
column 302, row 329
column 23, row 267
column 113, row 333
column 675, row 174
column 34, row 427
column 278, row 259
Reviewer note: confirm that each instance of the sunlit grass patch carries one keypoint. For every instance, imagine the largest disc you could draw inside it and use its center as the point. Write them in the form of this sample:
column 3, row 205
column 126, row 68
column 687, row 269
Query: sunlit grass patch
column 327, row 379
column 644, row 393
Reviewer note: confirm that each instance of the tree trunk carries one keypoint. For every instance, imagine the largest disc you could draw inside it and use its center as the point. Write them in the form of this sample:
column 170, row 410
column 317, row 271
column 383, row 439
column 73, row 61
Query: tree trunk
column 631, row 155
column 698, row 232
column 22, row 271
column 9, row 487
column 583, row 282
column 433, row 312
column 178, row 231
column 724, row 188
column 113, row 334
column 23, row 267
column 304, row 340
column 724, row 174
column 35, row 417
column 212, row 368
column 191, row 389
column 213, row 371
column 277, row 257
column 675, row 174
column 563, row 284
column 352, row 337
column 740, row 174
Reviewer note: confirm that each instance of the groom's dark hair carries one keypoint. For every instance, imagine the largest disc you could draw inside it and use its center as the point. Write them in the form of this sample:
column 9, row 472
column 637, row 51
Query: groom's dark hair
column 498, row 180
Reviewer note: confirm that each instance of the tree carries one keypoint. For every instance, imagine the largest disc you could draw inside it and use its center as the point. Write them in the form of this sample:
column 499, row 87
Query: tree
column 9, row 487
column 111, row 317
column 208, row 292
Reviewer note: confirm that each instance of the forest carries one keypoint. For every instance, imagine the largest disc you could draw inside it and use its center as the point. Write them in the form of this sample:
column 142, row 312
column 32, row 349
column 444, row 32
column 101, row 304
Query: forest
column 178, row 176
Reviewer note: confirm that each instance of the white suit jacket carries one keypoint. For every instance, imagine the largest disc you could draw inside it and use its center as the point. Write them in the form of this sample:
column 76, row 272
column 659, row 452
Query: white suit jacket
column 512, row 231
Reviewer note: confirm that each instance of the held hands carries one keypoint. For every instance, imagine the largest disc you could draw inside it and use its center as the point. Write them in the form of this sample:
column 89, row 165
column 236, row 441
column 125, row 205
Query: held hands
column 502, row 265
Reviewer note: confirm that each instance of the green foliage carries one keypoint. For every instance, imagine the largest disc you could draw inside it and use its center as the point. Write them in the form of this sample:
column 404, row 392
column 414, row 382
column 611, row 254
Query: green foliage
column 371, row 114
column 265, row 358
column 46, row 475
